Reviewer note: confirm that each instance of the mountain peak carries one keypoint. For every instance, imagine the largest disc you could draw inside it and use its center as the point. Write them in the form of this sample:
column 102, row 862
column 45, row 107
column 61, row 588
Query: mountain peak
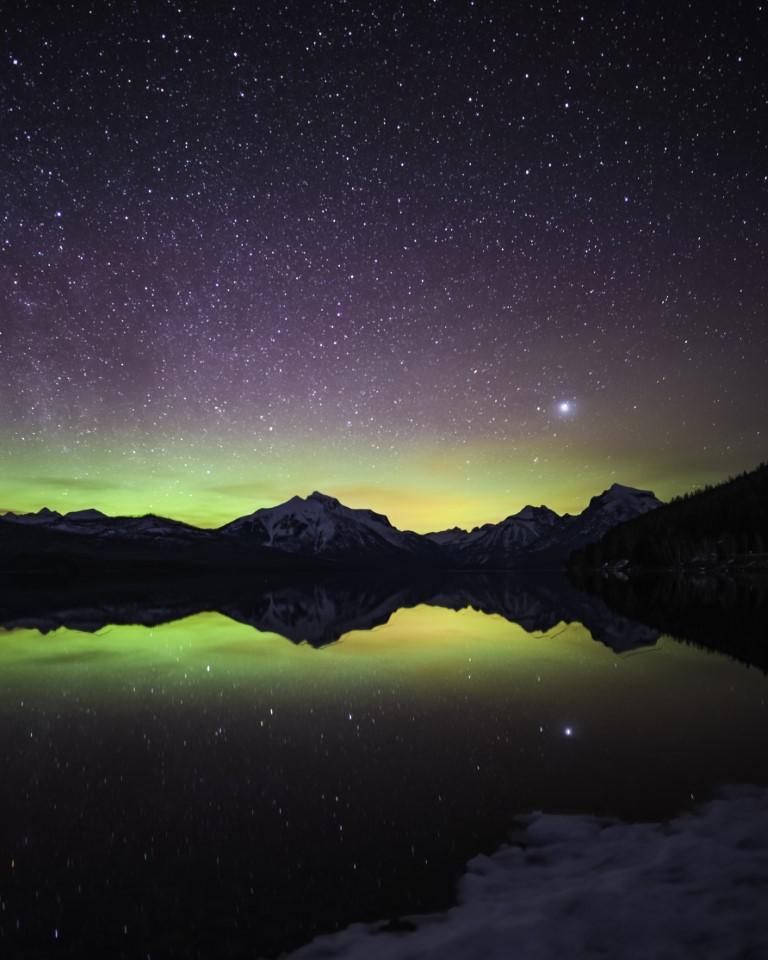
column 90, row 514
column 323, row 499
column 530, row 512
column 618, row 492
column 620, row 489
column 43, row 517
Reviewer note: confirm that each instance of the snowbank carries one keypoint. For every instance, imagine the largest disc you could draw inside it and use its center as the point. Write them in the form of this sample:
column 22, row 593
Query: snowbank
column 583, row 887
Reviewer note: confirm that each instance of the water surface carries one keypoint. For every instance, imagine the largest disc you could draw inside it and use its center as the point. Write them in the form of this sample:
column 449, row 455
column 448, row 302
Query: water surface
column 200, row 785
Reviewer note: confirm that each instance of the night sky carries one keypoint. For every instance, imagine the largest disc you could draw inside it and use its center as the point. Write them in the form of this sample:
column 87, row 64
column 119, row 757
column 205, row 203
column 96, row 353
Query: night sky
column 439, row 259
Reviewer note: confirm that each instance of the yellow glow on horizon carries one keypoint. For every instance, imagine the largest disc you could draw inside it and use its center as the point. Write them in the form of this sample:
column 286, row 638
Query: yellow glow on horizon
column 422, row 487
column 423, row 654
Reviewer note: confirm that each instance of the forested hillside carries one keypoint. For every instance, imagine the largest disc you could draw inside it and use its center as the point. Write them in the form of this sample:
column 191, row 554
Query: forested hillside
column 726, row 523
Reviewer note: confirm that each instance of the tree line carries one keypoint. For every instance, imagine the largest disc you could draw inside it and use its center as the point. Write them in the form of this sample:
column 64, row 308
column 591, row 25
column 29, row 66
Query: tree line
column 714, row 525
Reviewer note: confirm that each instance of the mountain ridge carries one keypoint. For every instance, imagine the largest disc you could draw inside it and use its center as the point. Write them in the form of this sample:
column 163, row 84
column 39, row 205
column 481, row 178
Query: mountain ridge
column 319, row 528
column 541, row 535
column 723, row 525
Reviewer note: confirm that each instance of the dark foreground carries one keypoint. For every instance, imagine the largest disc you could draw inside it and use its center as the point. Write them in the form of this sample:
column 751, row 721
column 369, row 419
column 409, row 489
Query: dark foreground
column 201, row 768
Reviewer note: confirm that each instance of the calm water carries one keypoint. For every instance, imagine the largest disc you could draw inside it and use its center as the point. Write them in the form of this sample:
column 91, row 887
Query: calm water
column 201, row 787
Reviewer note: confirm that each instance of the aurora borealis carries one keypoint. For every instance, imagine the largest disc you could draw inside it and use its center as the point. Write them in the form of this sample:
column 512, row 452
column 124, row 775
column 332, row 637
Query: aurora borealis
column 438, row 259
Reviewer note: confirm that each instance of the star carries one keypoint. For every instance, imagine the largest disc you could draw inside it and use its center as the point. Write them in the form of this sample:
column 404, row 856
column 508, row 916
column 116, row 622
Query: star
column 318, row 271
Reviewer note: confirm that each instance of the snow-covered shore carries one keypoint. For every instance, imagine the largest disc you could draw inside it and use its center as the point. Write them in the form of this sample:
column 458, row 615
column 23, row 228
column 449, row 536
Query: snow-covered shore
column 578, row 886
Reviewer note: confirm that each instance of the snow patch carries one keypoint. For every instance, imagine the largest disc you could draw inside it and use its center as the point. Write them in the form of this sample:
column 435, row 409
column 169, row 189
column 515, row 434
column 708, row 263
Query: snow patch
column 580, row 886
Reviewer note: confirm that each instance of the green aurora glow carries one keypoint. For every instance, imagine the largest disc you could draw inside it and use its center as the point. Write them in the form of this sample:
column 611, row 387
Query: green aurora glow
column 423, row 654
column 424, row 486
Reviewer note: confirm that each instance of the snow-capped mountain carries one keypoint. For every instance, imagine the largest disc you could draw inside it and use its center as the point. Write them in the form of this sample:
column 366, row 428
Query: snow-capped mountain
column 320, row 529
column 97, row 524
column 321, row 526
column 496, row 543
column 613, row 506
column 537, row 536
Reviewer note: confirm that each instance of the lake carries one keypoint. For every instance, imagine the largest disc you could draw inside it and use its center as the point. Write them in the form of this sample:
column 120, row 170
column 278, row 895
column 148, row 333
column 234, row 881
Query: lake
column 200, row 786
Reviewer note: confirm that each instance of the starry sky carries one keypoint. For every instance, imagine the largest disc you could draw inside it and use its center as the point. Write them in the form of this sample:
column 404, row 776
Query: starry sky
column 440, row 259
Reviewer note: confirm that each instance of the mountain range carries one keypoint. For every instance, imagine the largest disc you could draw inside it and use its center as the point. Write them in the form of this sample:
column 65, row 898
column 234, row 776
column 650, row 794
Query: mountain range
column 320, row 610
column 312, row 531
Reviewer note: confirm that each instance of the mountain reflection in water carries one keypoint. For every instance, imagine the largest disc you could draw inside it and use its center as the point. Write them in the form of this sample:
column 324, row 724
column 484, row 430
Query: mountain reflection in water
column 320, row 612
column 725, row 616
column 181, row 780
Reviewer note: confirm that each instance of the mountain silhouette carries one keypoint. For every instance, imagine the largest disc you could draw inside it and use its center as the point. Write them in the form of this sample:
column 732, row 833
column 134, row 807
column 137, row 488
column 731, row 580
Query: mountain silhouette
column 725, row 526
column 316, row 531
column 320, row 611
